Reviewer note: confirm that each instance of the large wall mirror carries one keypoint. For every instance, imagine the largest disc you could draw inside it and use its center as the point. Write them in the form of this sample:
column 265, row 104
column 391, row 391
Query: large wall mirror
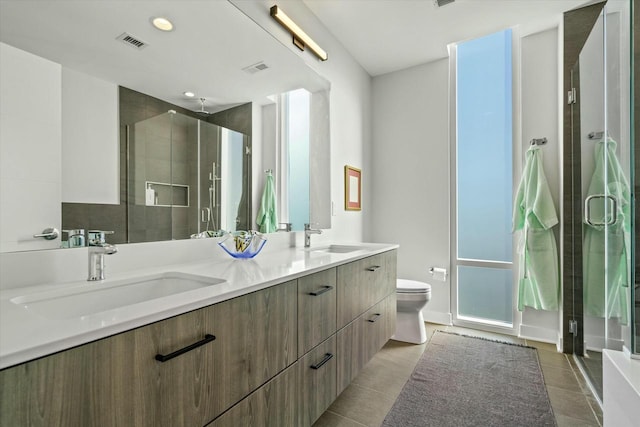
column 97, row 132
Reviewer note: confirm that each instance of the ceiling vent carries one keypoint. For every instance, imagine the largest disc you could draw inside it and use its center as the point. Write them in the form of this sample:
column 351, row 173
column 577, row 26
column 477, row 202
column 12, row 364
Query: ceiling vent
column 132, row 41
column 252, row 69
column 441, row 3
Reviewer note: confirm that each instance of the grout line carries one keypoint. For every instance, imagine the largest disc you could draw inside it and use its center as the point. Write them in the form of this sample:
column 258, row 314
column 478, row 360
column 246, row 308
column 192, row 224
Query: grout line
column 347, row 418
column 377, row 391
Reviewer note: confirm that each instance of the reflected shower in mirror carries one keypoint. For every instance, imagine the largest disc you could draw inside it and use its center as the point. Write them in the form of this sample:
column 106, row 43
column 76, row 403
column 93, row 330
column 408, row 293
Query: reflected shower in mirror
column 85, row 86
column 185, row 179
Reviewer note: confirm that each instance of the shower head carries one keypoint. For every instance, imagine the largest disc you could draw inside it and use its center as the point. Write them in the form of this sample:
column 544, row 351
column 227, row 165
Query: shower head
column 202, row 110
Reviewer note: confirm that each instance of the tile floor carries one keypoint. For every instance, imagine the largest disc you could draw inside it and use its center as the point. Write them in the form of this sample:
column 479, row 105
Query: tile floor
column 372, row 393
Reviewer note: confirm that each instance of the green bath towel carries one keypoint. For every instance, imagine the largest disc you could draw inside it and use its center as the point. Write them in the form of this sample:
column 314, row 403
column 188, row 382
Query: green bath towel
column 534, row 214
column 607, row 271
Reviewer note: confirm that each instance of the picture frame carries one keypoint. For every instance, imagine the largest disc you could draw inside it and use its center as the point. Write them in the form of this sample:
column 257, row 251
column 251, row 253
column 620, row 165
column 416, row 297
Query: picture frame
column 352, row 188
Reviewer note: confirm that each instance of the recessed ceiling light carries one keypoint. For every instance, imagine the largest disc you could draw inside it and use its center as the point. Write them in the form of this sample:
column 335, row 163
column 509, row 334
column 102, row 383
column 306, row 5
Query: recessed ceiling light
column 163, row 24
column 189, row 94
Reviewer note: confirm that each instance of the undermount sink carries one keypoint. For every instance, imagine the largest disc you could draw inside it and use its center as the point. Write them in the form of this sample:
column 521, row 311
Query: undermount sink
column 339, row 249
column 97, row 297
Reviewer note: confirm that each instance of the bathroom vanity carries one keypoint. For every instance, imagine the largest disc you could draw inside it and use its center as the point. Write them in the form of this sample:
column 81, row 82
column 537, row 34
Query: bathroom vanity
column 272, row 344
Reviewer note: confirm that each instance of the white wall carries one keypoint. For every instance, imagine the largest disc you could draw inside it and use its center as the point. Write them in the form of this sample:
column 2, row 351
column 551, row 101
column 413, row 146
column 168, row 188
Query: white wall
column 410, row 174
column 410, row 161
column 350, row 104
column 90, row 139
column 540, row 76
column 30, row 142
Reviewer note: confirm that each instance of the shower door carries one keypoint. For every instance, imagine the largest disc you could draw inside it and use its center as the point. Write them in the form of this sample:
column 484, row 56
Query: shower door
column 600, row 79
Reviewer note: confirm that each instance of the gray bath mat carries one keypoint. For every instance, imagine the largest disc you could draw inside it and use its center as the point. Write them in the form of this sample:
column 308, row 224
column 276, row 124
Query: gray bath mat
column 468, row 381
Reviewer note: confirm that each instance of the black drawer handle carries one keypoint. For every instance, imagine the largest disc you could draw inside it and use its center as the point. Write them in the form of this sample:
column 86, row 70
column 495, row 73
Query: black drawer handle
column 165, row 357
column 373, row 268
column 324, row 360
column 374, row 318
column 321, row 291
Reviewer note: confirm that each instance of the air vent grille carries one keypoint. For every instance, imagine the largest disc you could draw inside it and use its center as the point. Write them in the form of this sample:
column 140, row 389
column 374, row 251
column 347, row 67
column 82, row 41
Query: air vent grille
column 132, row 41
column 254, row 68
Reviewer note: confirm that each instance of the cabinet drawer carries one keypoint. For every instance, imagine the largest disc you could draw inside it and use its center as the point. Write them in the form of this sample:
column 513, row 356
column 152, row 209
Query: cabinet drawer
column 118, row 381
column 317, row 382
column 255, row 339
column 316, row 309
column 379, row 324
column 100, row 383
column 273, row 404
column 360, row 340
column 363, row 283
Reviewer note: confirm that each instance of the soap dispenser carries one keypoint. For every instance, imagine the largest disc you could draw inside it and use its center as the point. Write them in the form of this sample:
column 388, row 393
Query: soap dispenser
column 150, row 195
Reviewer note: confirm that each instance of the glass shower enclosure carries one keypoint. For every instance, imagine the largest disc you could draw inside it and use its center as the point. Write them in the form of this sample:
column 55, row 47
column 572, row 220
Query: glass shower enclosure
column 600, row 106
column 186, row 178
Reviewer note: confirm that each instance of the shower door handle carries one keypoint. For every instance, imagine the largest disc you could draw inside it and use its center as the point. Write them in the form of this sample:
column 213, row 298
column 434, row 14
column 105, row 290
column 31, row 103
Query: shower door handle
column 587, row 210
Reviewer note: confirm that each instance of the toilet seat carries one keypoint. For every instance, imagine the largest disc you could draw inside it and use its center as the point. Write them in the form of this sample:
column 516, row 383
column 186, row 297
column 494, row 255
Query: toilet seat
column 405, row 286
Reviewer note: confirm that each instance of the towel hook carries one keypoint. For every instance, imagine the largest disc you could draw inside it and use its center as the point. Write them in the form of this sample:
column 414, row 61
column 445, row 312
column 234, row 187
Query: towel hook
column 538, row 141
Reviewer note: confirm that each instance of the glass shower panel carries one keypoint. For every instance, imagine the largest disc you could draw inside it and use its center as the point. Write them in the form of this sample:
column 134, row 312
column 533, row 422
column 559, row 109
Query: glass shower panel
column 605, row 167
column 210, row 180
column 231, row 166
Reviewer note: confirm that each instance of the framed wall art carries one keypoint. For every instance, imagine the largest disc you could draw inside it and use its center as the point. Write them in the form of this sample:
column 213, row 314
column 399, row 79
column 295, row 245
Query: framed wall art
column 352, row 188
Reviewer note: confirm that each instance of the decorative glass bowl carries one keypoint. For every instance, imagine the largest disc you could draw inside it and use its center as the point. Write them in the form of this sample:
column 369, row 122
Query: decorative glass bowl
column 243, row 244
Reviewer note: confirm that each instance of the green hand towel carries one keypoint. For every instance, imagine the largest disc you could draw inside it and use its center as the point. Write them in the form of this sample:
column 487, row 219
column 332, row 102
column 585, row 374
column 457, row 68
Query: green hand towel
column 535, row 214
column 266, row 218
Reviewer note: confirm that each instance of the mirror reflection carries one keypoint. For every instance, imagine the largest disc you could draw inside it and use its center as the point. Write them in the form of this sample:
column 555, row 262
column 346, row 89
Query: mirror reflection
column 202, row 172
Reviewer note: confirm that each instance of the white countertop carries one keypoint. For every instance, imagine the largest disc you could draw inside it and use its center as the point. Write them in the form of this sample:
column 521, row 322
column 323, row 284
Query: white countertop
column 26, row 335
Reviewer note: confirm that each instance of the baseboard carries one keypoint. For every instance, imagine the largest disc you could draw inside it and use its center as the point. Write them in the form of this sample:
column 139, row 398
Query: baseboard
column 597, row 343
column 437, row 317
column 537, row 333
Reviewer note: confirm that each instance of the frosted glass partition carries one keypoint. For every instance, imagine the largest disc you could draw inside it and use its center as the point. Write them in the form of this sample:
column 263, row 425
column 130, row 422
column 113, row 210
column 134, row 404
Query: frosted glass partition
column 484, row 140
column 485, row 293
column 484, row 181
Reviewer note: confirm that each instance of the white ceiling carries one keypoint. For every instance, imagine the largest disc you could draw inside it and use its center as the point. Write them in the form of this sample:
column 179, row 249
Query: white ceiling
column 390, row 35
column 211, row 43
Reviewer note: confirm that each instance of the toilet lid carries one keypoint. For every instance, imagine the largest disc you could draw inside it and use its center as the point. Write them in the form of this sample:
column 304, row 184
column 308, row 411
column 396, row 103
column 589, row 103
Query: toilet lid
column 412, row 286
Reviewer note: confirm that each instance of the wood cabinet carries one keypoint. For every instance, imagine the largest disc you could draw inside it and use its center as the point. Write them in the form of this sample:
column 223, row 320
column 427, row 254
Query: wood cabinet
column 317, row 382
column 273, row 404
column 316, row 308
column 117, row 381
column 361, row 339
column 363, row 283
column 275, row 357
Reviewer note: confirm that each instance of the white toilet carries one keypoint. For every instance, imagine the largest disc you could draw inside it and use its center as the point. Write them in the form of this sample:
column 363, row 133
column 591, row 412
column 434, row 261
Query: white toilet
column 412, row 296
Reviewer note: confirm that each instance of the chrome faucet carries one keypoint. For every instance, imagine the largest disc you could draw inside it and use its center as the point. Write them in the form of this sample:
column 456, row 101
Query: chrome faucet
column 98, row 248
column 286, row 226
column 308, row 231
column 96, row 260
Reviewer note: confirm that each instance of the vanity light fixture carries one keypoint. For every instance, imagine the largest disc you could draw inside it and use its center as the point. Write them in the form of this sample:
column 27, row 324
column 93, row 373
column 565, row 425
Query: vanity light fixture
column 300, row 38
column 189, row 94
column 163, row 24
